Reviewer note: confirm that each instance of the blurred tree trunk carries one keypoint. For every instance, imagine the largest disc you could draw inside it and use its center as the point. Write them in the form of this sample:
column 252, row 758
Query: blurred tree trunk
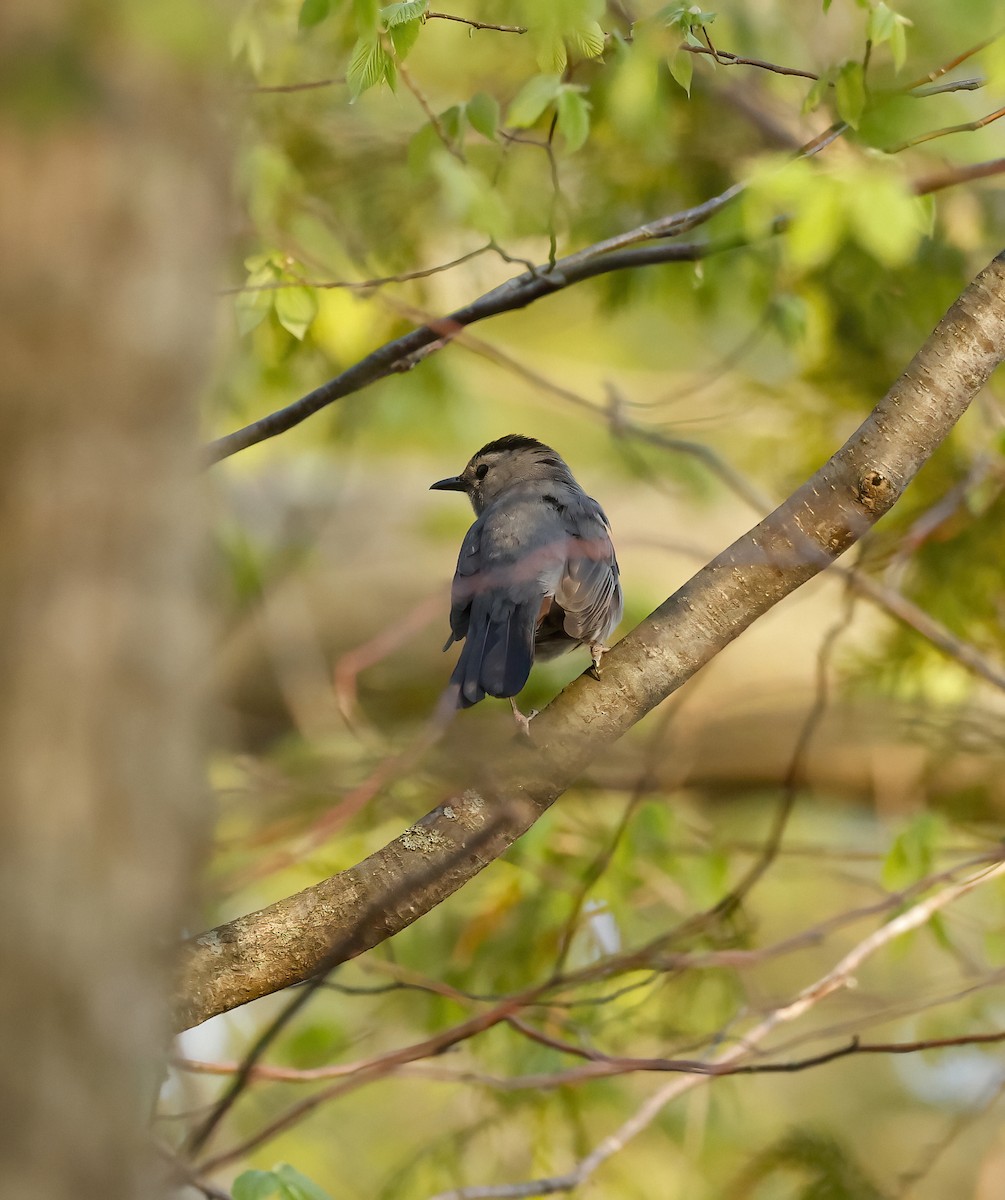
column 109, row 232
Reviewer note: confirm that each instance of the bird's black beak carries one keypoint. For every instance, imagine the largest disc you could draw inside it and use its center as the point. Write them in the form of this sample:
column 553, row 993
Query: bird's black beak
column 455, row 484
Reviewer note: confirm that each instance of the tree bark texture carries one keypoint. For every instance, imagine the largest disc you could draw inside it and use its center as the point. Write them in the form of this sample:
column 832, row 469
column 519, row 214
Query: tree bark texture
column 110, row 223
column 299, row 936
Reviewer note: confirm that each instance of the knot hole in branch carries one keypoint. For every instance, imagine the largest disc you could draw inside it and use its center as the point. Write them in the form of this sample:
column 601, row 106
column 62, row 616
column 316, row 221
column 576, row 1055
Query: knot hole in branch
column 875, row 491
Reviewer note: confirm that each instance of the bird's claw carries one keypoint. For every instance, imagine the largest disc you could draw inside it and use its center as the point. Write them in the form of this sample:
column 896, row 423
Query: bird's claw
column 522, row 721
column 597, row 651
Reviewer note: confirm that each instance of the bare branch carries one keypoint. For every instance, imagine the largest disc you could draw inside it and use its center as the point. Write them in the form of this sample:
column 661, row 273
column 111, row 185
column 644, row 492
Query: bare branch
column 953, row 85
column 938, row 72
column 309, row 86
column 359, row 284
column 967, row 127
column 726, row 59
column 400, row 354
column 956, row 175
column 811, row 995
column 431, row 117
column 438, row 16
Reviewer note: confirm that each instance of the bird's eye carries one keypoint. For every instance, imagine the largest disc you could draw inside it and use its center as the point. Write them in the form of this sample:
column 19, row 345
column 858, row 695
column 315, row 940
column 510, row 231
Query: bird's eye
column 482, row 471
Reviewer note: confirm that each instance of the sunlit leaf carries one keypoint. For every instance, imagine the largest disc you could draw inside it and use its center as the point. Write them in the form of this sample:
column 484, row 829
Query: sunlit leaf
column 573, row 118
column 816, row 94
column 882, row 20
column 551, row 54
column 682, row 69
column 368, row 65
column 403, row 36
column 898, row 43
column 296, row 1186
column 912, row 855
column 452, row 122
column 313, row 12
column 255, row 1185
column 532, row 99
column 251, row 308
column 884, row 216
column 850, row 93
column 886, row 25
column 403, row 13
column 483, row 113
column 367, row 14
column 586, row 41
column 817, row 224
column 296, row 307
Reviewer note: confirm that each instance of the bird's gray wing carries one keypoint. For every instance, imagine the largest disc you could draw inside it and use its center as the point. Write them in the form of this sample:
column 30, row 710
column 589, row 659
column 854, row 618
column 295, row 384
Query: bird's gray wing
column 590, row 587
column 511, row 560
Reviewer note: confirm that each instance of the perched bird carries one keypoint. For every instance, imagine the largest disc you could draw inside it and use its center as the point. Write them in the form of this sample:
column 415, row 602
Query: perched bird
column 536, row 575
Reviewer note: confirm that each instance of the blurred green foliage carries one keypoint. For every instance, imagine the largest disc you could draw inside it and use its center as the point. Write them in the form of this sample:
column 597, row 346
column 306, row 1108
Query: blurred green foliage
column 376, row 145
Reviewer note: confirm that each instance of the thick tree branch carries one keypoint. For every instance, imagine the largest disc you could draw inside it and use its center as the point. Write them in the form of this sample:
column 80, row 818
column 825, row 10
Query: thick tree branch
column 293, row 939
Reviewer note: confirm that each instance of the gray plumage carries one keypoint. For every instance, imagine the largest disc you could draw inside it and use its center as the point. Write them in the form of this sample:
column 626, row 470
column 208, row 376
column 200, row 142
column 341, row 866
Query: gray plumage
column 536, row 575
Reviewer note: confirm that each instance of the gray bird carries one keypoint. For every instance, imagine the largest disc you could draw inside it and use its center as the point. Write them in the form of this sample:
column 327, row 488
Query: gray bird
column 536, row 575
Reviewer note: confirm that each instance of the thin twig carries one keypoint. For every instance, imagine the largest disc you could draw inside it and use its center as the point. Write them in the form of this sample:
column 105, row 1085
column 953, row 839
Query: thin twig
column 726, row 59
column 938, row 72
column 973, row 84
column 833, row 980
column 360, row 284
column 431, row 117
column 438, row 16
column 265, row 88
column 967, row 127
column 956, row 175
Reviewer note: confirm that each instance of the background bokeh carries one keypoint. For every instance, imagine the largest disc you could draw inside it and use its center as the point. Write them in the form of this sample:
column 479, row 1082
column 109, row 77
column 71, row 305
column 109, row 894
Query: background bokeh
column 689, row 399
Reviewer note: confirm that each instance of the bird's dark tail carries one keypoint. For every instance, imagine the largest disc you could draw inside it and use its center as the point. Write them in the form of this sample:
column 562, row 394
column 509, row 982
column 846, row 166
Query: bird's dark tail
column 497, row 654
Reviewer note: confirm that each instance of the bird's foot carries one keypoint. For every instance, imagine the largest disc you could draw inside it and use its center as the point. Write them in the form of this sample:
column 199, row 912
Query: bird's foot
column 597, row 651
column 523, row 722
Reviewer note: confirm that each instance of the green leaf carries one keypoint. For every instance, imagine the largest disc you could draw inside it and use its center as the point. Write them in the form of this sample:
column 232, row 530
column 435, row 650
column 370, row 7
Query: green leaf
column 296, row 307
column 421, row 150
column 297, row 1186
column 367, row 16
column 816, row 94
column 532, row 99
column 850, row 93
column 253, row 306
column 255, row 1185
column 880, row 25
column 573, row 117
column 313, row 12
column 672, row 16
column 550, row 53
column 483, row 114
column 676, row 17
column 402, row 13
column 789, row 315
column 817, row 225
column 827, row 4
column 251, row 309
column 885, row 25
column 452, row 122
column 403, row 38
column 586, row 40
column 368, row 65
column 898, row 43
column 472, row 197
column 682, row 68
column 885, row 217
column 912, row 854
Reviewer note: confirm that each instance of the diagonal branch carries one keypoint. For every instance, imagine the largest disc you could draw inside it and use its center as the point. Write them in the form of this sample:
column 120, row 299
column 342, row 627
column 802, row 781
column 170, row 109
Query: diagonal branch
column 292, row 940
column 614, row 254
